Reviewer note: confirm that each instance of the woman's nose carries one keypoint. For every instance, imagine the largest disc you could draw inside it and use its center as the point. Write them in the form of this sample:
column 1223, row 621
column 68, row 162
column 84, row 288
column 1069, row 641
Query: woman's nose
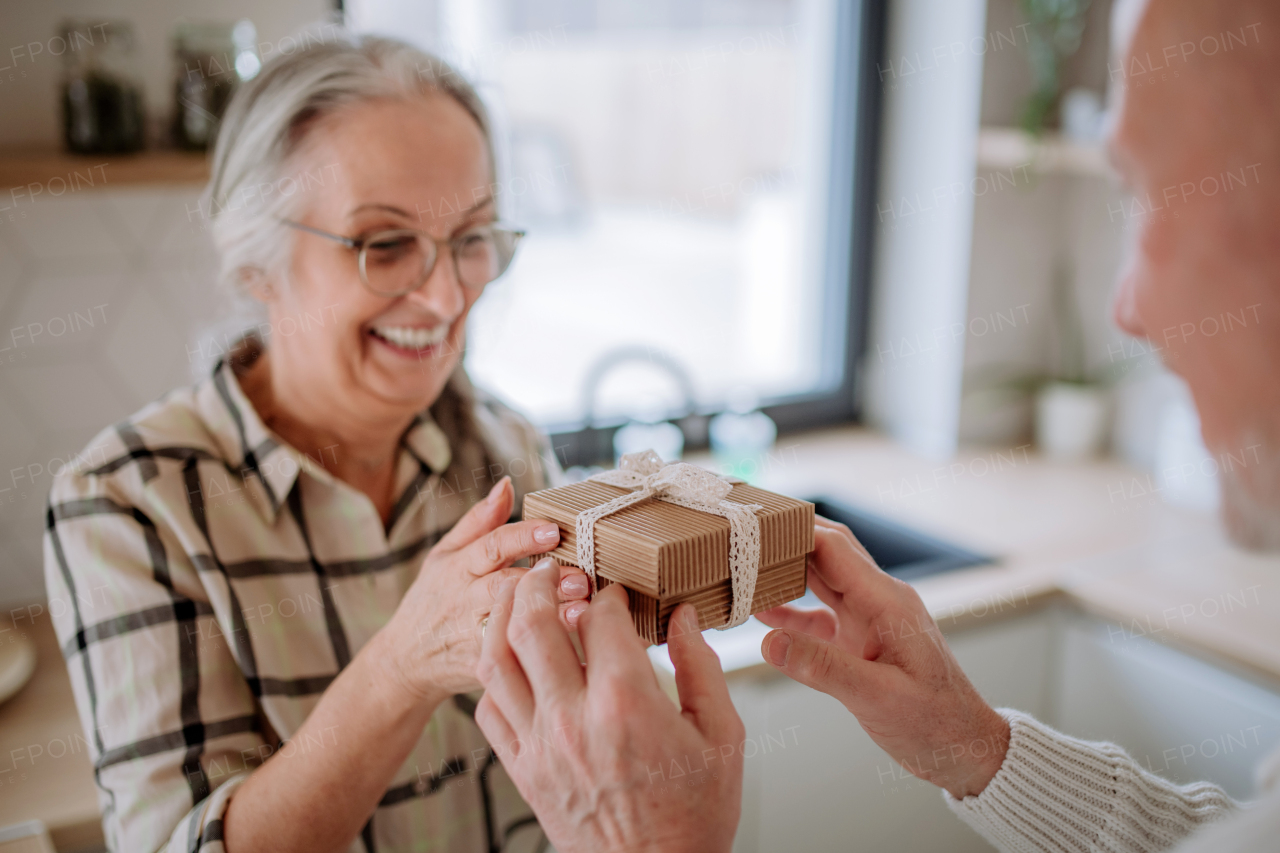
column 442, row 293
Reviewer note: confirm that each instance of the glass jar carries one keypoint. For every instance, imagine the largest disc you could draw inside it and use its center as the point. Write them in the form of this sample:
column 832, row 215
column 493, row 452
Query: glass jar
column 210, row 61
column 101, row 92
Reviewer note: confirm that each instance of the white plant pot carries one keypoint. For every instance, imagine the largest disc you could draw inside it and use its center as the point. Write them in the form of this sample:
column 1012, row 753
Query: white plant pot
column 1071, row 421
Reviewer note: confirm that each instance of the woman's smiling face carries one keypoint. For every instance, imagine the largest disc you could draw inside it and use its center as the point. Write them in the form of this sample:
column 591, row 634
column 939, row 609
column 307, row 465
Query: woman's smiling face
column 419, row 164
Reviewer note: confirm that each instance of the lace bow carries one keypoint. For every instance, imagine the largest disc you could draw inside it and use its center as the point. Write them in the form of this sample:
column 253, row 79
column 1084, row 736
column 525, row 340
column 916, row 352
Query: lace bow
column 646, row 476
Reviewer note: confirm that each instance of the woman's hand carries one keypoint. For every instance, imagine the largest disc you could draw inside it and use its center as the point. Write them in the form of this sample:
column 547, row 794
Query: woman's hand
column 434, row 637
column 605, row 759
column 879, row 652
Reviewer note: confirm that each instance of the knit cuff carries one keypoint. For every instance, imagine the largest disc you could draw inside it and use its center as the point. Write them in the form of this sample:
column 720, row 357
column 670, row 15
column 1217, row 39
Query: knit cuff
column 1056, row 793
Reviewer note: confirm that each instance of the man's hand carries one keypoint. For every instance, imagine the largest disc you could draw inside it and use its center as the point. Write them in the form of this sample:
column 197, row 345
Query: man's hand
column 605, row 759
column 879, row 652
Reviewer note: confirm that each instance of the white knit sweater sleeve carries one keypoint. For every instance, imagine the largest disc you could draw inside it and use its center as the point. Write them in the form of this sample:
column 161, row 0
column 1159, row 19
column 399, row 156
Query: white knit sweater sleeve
column 1055, row 793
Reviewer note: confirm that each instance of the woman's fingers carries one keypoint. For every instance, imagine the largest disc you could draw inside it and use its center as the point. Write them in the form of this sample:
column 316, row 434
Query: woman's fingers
column 484, row 592
column 487, row 542
column 571, row 613
column 574, row 585
column 491, row 512
column 819, row 623
column 504, row 545
column 574, row 588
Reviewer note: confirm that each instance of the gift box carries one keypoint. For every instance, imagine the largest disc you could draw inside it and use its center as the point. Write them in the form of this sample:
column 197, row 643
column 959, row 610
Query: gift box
column 676, row 533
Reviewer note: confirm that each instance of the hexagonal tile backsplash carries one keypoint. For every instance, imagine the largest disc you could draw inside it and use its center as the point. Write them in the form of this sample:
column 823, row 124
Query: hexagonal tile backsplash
column 103, row 296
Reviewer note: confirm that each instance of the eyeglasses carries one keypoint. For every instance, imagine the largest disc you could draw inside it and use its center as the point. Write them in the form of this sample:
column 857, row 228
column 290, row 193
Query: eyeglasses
column 399, row 261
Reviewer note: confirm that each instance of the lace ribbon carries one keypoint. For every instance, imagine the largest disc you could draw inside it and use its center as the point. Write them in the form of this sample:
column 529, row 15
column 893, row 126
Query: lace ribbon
column 646, row 476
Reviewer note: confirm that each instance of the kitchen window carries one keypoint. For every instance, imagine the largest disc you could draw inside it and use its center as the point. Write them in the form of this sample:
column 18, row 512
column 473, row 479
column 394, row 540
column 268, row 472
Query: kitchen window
column 696, row 180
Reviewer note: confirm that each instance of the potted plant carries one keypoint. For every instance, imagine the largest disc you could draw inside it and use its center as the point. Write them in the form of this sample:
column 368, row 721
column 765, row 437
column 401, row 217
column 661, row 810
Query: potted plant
column 1053, row 34
column 1070, row 408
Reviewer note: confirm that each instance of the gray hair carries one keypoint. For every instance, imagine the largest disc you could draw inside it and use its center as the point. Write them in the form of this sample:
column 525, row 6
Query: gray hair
column 268, row 121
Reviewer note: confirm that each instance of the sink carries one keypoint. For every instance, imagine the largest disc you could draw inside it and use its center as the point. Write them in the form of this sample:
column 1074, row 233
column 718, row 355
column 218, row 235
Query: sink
column 902, row 552
column 899, row 550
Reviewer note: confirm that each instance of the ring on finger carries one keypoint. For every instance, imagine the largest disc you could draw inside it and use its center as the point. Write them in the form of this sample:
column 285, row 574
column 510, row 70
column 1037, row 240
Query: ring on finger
column 484, row 626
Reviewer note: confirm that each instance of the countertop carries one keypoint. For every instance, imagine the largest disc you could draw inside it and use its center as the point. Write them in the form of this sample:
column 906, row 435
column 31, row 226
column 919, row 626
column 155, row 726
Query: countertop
column 1096, row 534
column 45, row 771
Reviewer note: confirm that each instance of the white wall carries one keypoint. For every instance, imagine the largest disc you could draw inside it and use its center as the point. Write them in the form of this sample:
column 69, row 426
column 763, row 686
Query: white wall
column 928, row 146
column 103, row 298
column 103, row 294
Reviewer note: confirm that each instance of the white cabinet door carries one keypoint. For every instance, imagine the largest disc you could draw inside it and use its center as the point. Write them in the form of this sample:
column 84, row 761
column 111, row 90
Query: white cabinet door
column 816, row 782
column 1177, row 715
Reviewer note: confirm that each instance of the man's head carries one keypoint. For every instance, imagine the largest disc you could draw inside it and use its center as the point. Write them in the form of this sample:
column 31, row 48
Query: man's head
column 1196, row 135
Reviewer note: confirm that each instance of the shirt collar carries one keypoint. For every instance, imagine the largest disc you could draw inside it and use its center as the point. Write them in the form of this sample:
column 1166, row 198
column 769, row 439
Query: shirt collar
column 267, row 463
column 428, row 443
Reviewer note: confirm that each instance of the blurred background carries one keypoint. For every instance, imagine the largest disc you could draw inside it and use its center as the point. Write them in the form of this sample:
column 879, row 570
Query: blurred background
column 834, row 247
column 731, row 206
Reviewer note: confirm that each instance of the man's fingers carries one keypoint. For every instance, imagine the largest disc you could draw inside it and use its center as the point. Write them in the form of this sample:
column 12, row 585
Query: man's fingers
column 491, row 512
column 819, row 623
column 818, row 586
column 825, row 667
column 700, row 682
column 503, row 739
column 843, row 530
column 505, row 683
column 609, row 639
column 847, row 534
column 846, row 569
column 504, row 545
column 539, row 640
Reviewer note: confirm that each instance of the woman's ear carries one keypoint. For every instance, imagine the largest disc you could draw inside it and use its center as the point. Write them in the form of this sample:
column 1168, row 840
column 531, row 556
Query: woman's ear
column 257, row 285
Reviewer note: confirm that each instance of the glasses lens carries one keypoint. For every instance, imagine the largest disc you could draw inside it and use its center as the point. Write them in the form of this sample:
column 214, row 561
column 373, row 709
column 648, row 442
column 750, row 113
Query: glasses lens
column 483, row 254
column 396, row 262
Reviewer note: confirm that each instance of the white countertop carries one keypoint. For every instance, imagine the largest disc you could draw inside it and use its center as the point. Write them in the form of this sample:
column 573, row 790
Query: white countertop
column 1093, row 533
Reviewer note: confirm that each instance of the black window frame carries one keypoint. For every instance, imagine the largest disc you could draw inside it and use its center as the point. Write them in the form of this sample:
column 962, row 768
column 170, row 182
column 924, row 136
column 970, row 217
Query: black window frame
column 854, row 157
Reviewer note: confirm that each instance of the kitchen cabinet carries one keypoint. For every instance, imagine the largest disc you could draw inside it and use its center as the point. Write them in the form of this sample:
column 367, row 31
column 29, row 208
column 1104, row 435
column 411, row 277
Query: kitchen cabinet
column 816, row 782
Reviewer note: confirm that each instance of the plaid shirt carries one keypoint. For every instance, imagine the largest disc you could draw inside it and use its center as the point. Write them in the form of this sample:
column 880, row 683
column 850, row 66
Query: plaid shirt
column 209, row 581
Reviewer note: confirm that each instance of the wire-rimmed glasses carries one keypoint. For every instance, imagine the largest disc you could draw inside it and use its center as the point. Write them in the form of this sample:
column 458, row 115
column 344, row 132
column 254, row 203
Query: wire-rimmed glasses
column 398, row 261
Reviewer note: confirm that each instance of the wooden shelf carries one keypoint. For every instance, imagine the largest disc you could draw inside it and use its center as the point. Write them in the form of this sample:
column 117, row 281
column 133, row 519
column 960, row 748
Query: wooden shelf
column 1009, row 147
column 56, row 173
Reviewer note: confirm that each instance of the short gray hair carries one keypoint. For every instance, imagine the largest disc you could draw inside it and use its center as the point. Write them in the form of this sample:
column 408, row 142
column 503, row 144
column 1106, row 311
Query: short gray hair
column 269, row 119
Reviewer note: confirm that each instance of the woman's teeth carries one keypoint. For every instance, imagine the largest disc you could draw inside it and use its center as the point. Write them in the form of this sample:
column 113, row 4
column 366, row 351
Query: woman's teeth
column 408, row 337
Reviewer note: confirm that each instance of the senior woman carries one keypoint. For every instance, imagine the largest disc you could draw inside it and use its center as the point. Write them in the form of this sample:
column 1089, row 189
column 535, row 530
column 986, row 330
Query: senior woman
column 279, row 580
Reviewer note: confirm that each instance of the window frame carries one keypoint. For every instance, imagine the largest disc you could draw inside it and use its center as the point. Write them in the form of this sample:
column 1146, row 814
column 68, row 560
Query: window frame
column 854, row 157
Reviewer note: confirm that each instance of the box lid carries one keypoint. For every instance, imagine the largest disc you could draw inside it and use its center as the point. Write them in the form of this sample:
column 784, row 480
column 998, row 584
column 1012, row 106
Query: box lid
column 662, row 549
